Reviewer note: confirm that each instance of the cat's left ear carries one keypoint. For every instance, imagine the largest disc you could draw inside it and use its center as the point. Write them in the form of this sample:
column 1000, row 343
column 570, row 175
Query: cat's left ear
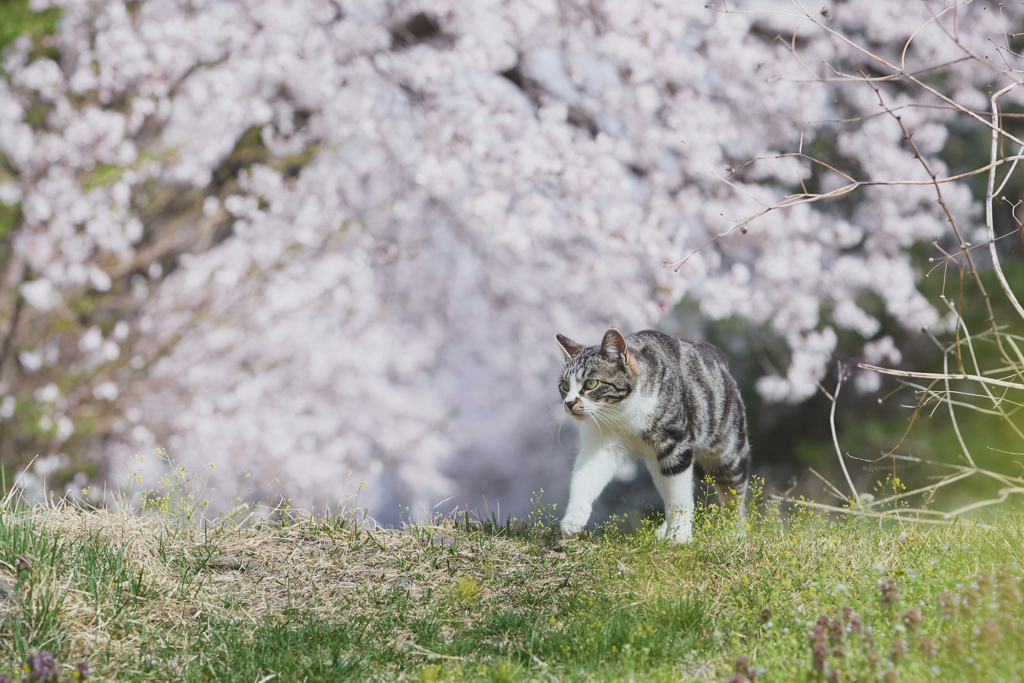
column 613, row 346
column 570, row 347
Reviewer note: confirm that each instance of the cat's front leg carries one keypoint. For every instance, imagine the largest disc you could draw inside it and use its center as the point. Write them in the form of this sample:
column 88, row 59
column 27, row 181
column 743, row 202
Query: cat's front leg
column 595, row 466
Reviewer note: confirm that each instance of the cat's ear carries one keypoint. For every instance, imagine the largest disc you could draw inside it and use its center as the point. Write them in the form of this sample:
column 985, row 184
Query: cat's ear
column 613, row 346
column 570, row 347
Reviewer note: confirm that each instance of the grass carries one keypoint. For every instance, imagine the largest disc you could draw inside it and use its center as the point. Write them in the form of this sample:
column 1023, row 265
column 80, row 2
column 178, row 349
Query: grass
column 801, row 597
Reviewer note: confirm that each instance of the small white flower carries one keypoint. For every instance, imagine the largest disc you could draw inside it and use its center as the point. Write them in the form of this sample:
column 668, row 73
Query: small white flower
column 210, row 206
column 91, row 340
column 106, row 391
column 9, row 194
column 39, row 294
column 48, row 393
column 100, row 280
column 7, row 407
column 30, row 361
column 65, row 428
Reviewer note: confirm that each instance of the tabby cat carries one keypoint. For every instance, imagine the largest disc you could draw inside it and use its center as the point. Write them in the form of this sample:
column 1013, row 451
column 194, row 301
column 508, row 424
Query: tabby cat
column 669, row 401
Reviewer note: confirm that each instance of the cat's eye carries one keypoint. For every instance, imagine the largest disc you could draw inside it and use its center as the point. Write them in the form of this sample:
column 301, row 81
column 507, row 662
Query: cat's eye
column 564, row 385
column 590, row 384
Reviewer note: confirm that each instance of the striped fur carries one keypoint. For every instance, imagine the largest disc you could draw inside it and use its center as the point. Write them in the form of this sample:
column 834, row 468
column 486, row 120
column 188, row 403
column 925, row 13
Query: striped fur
column 669, row 401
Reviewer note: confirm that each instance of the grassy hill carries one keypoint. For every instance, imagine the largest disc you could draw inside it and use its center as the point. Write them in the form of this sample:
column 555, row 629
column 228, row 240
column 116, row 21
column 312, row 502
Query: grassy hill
column 148, row 598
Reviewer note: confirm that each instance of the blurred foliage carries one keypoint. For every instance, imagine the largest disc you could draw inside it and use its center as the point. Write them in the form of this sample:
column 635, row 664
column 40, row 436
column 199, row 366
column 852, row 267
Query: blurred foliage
column 16, row 18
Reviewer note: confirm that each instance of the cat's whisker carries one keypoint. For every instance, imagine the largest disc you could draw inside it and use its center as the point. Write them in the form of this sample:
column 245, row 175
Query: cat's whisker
column 558, row 421
column 612, row 416
column 599, row 419
column 608, row 417
column 595, row 417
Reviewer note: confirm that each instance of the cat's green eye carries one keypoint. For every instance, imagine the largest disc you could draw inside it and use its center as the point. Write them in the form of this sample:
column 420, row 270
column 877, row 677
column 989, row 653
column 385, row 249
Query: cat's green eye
column 564, row 385
column 590, row 384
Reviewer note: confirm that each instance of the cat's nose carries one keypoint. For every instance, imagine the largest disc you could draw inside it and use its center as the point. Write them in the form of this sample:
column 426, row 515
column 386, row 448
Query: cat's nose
column 570, row 404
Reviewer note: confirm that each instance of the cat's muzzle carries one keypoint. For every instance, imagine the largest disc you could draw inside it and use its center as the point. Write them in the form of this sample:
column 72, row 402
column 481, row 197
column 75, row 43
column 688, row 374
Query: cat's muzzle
column 575, row 408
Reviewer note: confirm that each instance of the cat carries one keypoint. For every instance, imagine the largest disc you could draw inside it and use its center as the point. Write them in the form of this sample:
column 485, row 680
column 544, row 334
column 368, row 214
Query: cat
column 669, row 401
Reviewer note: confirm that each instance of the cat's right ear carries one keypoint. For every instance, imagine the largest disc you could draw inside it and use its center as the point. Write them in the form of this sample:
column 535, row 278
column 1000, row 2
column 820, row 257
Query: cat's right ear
column 570, row 347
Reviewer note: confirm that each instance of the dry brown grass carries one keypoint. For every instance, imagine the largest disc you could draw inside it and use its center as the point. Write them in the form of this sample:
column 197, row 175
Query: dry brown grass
column 249, row 574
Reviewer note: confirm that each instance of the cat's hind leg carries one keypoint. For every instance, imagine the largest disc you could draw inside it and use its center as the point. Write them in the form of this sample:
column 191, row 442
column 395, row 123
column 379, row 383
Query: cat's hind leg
column 677, row 493
column 731, row 484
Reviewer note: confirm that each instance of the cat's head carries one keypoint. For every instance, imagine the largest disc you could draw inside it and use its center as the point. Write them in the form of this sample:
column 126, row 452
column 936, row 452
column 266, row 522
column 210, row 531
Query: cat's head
column 596, row 377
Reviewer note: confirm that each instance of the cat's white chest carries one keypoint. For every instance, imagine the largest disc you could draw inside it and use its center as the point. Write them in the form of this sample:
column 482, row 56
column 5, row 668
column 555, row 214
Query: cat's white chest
column 624, row 430
column 635, row 413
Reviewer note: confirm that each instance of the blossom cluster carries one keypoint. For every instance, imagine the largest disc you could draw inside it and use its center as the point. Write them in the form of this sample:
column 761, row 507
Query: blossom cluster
column 340, row 235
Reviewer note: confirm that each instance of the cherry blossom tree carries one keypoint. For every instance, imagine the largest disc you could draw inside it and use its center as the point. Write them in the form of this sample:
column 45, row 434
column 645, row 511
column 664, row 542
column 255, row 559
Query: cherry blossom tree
column 329, row 242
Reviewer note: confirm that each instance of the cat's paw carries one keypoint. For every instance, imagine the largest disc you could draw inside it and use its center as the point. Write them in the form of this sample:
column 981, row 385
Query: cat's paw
column 740, row 529
column 681, row 534
column 573, row 523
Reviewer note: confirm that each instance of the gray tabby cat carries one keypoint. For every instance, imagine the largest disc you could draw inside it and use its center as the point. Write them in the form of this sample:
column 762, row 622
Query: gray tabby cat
column 670, row 401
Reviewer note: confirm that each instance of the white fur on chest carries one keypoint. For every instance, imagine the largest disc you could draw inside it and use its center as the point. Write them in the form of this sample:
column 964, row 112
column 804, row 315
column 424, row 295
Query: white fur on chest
column 620, row 428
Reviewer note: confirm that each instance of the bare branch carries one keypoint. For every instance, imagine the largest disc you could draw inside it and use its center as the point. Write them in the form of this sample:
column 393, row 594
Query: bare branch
column 989, row 222
column 939, row 375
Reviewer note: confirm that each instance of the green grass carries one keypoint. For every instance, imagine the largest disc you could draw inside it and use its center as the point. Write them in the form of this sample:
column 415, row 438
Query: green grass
column 149, row 599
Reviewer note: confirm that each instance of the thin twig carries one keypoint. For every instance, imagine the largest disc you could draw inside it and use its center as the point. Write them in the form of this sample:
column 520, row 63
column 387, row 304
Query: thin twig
column 989, row 222
column 879, row 515
column 937, row 375
column 835, row 438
